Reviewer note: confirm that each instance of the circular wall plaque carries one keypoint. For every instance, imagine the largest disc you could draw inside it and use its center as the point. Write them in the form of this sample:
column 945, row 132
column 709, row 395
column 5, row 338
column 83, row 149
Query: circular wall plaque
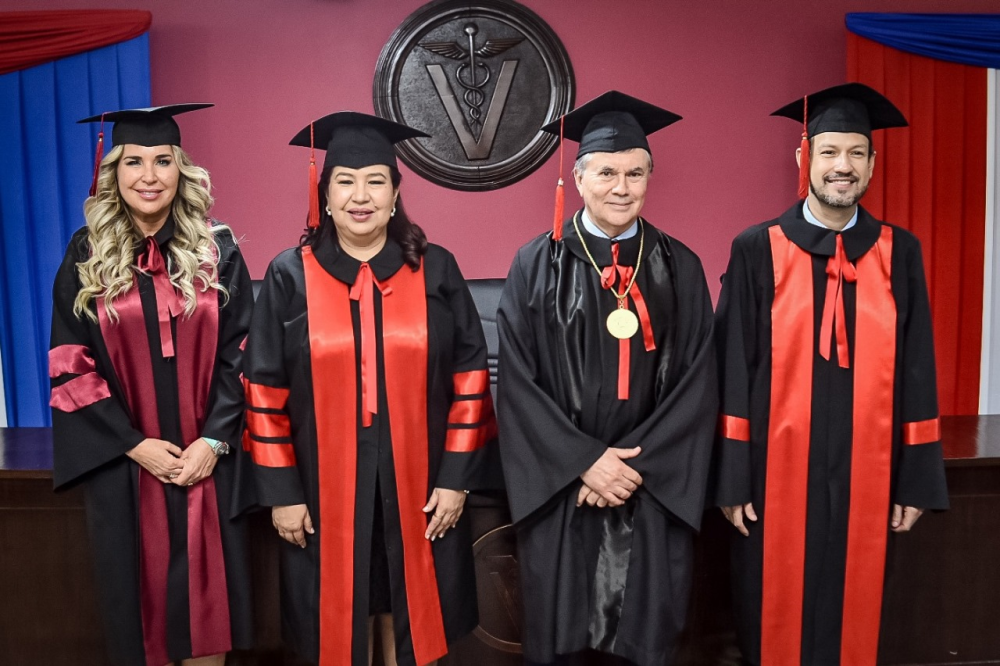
column 481, row 78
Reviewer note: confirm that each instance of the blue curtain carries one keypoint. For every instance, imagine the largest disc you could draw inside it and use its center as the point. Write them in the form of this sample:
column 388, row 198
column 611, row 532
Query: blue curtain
column 46, row 163
column 969, row 39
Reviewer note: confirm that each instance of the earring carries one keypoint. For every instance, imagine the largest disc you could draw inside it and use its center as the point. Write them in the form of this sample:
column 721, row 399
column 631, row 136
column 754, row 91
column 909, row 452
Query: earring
column 393, row 212
column 329, row 212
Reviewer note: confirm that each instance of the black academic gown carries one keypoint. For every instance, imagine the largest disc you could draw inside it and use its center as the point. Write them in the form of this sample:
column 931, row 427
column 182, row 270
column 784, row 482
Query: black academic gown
column 614, row 579
column 745, row 330
column 94, row 426
column 281, row 383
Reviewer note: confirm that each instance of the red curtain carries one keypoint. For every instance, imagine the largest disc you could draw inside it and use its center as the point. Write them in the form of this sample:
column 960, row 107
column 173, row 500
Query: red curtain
column 931, row 179
column 32, row 38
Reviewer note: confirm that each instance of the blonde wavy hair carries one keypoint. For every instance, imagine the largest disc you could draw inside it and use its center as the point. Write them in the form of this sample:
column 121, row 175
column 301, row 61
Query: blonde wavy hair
column 114, row 239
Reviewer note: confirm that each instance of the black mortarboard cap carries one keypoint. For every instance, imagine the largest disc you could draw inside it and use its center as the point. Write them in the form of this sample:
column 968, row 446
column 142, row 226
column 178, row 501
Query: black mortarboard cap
column 355, row 140
column 612, row 123
column 851, row 107
column 154, row 126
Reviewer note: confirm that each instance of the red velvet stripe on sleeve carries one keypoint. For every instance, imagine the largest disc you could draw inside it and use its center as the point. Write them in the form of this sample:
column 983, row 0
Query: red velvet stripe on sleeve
column 734, row 427
column 922, row 432
column 70, row 360
column 79, row 392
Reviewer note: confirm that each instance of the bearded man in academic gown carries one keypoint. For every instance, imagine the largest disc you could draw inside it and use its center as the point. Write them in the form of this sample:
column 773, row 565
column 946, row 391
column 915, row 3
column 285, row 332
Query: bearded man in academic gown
column 830, row 440
column 606, row 397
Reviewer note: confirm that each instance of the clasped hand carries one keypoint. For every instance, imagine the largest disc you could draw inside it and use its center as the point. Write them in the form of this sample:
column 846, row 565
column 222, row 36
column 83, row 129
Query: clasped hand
column 609, row 481
column 170, row 464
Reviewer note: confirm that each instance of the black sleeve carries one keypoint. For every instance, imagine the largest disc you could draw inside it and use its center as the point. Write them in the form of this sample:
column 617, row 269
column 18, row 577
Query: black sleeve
column 471, row 456
column 268, row 436
column 224, row 421
column 541, row 450
column 920, row 480
column 676, row 438
column 735, row 335
column 90, row 425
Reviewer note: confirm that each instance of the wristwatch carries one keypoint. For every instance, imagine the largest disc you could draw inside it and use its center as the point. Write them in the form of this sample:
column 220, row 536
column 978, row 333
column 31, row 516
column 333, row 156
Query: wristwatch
column 218, row 448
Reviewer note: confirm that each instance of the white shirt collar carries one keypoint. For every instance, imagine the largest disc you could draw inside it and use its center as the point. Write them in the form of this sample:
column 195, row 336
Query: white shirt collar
column 812, row 219
column 595, row 230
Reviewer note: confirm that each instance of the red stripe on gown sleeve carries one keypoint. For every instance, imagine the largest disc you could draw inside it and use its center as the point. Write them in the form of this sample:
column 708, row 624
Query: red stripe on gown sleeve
column 734, row 427
column 871, row 454
column 269, row 454
column 70, row 360
column 269, row 425
column 786, row 492
column 331, row 346
column 265, row 397
column 79, row 392
column 466, row 440
column 472, row 382
column 274, row 426
column 922, row 432
column 465, row 412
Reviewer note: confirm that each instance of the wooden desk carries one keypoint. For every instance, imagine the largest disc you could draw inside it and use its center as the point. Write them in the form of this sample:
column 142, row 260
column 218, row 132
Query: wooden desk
column 941, row 591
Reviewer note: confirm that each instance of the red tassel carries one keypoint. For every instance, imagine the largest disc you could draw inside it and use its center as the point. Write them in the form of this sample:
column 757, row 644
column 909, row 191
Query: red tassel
column 557, row 220
column 313, row 183
column 97, row 158
column 804, row 152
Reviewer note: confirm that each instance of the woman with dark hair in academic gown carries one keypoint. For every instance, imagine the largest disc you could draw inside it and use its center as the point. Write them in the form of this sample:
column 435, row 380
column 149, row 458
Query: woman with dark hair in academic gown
column 150, row 309
column 369, row 414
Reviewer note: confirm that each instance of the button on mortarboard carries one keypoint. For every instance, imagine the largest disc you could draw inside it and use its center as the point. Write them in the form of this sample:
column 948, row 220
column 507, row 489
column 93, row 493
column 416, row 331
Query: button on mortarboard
column 154, row 126
column 612, row 123
column 356, row 140
column 852, row 107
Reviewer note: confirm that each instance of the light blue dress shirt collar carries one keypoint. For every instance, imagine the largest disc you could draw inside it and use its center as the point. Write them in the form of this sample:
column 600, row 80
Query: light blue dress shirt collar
column 811, row 219
column 595, row 230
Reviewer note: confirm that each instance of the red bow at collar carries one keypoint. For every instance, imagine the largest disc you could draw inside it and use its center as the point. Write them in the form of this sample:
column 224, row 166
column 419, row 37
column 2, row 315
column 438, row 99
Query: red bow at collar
column 168, row 301
column 838, row 269
column 363, row 292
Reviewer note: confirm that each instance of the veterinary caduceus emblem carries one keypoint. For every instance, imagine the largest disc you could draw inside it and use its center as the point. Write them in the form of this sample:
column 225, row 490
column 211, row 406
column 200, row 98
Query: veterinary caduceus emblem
column 481, row 77
column 473, row 75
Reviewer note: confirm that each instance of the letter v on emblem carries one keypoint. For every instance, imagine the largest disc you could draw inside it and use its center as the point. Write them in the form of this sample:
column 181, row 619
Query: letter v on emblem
column 475, row 150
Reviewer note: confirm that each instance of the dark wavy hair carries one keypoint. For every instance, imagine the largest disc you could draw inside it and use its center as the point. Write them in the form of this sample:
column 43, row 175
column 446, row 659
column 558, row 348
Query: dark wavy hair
column 401, row 229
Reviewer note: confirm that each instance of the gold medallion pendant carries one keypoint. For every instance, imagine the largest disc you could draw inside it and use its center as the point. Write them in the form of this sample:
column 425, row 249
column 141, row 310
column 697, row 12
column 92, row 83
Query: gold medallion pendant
column 623, row 323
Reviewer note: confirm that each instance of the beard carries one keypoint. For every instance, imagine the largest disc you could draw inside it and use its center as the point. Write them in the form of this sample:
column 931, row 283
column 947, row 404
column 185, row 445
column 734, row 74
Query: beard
column 841, row 200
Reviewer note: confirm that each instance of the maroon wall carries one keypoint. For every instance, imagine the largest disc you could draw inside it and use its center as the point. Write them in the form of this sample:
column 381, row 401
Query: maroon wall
column 271, row 66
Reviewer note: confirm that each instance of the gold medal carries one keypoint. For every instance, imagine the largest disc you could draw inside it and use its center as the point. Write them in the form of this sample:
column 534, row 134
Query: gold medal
column 622, row 323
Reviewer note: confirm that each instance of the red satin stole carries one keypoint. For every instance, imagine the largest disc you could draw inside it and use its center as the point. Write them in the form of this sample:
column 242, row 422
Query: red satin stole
column 196, row 343
column 335, row 388
column 788, row 452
